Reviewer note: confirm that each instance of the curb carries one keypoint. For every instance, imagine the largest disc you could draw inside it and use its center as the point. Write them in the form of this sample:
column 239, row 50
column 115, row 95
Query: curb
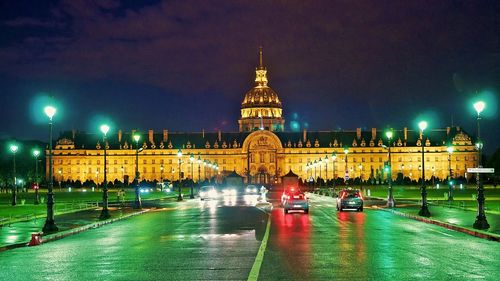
column 476, row 233
column 69, row 232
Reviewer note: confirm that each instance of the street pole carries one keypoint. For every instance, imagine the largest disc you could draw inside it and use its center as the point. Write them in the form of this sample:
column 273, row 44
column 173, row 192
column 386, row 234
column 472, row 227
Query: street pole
column 105, row 211
column 326, row 167
column 199, row 170
column 390, row 198
column 334, row 158
column 137, row 201
column 179, row 154
column 50, row 225
column 481, row 222
column 36, row 153
column 450, row 181
column 346, row 175
column 191, row 159
column 424, row 210
column 14, row 149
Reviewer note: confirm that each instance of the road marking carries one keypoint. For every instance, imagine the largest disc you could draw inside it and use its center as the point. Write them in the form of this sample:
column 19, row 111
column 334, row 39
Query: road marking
column 441, row 232
column 254, row 273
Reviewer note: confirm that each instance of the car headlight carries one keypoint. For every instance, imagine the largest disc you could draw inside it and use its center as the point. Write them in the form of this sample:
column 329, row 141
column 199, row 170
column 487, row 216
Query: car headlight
column 248, row 190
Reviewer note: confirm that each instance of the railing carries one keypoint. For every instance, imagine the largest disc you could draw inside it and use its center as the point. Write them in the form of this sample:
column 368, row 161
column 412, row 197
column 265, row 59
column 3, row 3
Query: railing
column 59, row 208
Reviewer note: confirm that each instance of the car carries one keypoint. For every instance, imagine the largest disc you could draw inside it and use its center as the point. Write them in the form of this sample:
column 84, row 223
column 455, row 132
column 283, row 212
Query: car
column 251, row 189
column 350, row 199
column 296, row 200
column 208, row 192
column 287, row 191
column 229, row 191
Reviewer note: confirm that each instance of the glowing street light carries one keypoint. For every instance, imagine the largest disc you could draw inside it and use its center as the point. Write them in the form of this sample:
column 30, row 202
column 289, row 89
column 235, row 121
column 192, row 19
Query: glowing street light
column 334, row 158
column 450, row 181
column 346, row 151
column 14, row 148
column 105, row 212
column 179, row 155
column 50, row 225
column 36, row 154
column 390, row 197
column 137, row 201
column 199, row 168
column 481, row 222
column 424, row 210
column 191, row 160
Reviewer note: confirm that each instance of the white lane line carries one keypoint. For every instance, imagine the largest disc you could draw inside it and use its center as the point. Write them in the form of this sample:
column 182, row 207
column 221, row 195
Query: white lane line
column 441, row 232
column 254, row 273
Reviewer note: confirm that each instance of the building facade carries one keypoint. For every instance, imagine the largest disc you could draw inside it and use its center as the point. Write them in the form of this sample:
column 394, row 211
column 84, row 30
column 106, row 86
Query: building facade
column 262, row 151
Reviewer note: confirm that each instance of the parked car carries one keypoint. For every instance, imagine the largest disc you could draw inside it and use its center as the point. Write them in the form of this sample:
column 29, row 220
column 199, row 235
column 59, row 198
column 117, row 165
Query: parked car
column 208, row 192
column 295, row 200
column 350, row 199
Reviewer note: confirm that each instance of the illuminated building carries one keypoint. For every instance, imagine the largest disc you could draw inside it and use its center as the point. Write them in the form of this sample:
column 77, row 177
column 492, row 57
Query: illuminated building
column 262, row 150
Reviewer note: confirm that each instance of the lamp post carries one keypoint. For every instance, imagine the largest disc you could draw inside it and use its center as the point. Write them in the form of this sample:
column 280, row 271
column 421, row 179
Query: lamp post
column 161, row 177
column 179, row 155
column 319, row 166
column 315, row 165
column 191, row 160
column 123, row 174
column 481, row 222
column 361, row 174
column 105, row 211
column 137, row 201
column 50, row 225
column 199, row 169
column 334, row 158
column 326, row 166
column 205, row 168
column 450, row 181
column 390, row 197
column 36, row 153
column 424, row 210
column 346, row 177
column 13, row 149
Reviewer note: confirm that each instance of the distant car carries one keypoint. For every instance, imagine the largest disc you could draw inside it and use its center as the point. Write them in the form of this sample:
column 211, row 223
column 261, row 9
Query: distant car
column 208, row 192
column 350, row 199
column 295, row 200
column 251, row 189
column 229, row 191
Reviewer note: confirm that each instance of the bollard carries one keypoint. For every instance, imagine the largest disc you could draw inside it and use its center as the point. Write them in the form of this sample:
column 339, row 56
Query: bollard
column 36, row 239
column 368, row 192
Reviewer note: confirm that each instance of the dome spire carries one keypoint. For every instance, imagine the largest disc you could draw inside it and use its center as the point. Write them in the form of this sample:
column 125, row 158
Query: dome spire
column 261, row 72
column 261, row 65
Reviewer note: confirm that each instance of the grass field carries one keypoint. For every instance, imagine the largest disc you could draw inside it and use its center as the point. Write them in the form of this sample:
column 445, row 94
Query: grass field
column 66, row 201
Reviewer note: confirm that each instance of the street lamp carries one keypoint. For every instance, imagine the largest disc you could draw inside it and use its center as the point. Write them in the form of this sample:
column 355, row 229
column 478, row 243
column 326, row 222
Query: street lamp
column 50, row 225
column 325, row 160
column 14, row 148
column 105, row 212
column 199, row 169
column 346, row 151
column 481, row 222
column 315, row 165
column 424, row 210
column 334, row 158
column 205, row 168
column 450, row 181
column 161, row 176
column 191, row 160
column 36, row 153
column 137, row 201
column 390, row 197
column 179, row 155
column 361, row 174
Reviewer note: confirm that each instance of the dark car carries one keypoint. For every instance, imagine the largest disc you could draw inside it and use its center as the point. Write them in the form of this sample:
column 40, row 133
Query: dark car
column 350, row 199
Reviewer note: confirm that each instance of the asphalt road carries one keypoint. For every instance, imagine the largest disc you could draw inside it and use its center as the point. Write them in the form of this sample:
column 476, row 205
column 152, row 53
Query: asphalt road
column 220, row 240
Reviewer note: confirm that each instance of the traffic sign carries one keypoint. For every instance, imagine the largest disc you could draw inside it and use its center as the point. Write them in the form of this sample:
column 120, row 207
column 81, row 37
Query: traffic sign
column 481, row 170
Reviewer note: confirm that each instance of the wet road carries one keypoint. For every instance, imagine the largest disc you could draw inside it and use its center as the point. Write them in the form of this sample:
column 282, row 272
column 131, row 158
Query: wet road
column 220, row 240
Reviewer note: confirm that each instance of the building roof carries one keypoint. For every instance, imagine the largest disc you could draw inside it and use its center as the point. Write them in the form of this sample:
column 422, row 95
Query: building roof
column 221, row 140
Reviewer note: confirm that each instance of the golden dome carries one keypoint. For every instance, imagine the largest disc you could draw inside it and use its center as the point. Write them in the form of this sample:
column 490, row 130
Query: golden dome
column 261, row 95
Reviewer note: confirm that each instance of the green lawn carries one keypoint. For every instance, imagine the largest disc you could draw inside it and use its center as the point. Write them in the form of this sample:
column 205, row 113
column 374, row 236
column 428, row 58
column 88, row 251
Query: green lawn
column 66, row 201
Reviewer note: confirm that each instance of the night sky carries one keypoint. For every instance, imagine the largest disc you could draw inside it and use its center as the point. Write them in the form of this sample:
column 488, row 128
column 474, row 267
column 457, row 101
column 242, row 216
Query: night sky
column 186, row 65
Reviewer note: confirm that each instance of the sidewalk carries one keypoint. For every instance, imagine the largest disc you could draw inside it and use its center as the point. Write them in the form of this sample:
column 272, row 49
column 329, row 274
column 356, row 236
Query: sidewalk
column 19, row 233
column 452, row 218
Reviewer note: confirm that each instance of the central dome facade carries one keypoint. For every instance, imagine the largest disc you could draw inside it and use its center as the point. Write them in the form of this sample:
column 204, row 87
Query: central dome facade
column 261, row 108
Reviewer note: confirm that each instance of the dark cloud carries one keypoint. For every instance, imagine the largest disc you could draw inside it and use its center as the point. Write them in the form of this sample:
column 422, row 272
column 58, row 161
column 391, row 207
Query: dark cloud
column 339, row 60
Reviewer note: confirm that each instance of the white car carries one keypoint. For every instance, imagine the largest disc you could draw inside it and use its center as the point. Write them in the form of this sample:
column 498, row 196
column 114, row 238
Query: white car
column 208, row 192
column 251, row 189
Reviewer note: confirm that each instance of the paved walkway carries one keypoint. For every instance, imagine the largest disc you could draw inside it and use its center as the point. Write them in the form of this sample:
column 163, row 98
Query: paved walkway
column 20, row 232
column 454, row 216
